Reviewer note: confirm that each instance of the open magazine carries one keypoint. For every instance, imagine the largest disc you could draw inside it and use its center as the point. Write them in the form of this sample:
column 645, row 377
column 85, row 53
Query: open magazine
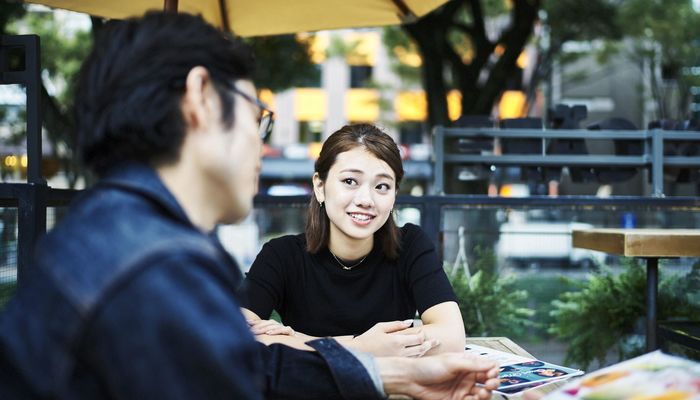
column 520, row 373
column 652, row 376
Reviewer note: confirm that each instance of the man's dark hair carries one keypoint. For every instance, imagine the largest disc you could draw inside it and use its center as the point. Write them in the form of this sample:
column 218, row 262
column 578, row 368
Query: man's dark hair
column 127, row 105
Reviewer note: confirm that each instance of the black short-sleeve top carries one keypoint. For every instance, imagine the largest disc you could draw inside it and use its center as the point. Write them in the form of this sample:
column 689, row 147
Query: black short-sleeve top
column 314, row 295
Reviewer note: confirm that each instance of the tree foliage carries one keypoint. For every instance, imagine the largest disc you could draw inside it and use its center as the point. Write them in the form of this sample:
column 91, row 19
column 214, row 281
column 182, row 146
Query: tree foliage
column 666, row 35
column 283, row 62
column 578, row 20
column 9, row 11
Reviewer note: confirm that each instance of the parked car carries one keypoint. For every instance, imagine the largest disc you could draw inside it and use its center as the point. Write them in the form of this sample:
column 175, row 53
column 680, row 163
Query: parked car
column 534, row 244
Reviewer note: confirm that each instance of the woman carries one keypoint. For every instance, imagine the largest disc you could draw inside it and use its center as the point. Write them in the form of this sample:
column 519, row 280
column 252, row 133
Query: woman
column 353, row 270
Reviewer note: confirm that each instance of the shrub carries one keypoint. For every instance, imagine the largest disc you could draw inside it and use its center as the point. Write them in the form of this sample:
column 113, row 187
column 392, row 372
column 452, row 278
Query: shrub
column 489, row 304
column 609, row 309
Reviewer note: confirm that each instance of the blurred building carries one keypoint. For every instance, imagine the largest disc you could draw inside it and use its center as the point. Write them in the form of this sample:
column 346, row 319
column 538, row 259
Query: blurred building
column 619, row 87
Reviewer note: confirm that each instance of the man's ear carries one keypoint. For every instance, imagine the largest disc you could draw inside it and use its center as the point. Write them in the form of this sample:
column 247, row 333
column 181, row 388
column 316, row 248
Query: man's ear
column 195, row 103
column 318, row 188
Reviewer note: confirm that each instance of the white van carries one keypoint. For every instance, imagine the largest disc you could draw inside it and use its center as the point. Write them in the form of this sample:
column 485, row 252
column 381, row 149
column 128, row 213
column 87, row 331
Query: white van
column 534, row 244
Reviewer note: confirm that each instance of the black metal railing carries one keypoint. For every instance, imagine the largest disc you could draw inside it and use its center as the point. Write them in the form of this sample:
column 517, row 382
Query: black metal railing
column 651, row 155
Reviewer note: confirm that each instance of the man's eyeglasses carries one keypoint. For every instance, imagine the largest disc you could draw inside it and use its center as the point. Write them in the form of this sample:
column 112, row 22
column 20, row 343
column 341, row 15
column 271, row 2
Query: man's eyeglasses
column 266, row 121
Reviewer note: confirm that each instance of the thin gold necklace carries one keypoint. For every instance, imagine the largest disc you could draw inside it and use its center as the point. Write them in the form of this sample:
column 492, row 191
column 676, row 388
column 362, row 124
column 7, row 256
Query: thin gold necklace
column 346, row 267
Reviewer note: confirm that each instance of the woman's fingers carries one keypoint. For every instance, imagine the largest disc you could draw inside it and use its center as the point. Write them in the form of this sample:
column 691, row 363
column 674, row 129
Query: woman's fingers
column 262, row 326
column 269, row 327
column 407, row 340
column 421, row 349
column 393, row 339
column 413, row 345
column 281, row 330
column 392, row 326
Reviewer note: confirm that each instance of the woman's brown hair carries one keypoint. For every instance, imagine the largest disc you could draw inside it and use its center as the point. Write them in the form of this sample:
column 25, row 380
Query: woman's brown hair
column 345, row 139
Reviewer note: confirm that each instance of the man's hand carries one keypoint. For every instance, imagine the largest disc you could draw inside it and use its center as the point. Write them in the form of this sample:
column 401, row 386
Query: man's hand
column 388, row 339
column 446, row 376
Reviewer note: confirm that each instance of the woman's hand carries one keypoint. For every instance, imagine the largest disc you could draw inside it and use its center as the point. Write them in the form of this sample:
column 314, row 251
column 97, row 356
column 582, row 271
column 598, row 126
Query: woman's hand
column 269, row 327
column 388, row 339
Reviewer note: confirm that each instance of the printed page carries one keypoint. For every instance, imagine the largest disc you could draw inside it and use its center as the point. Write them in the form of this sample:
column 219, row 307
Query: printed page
column 519, row 373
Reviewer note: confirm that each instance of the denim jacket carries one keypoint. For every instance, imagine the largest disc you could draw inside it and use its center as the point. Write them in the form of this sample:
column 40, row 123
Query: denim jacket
column 126, row 299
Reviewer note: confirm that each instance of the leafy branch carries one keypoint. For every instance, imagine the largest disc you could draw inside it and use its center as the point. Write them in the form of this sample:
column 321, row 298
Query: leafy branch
column 493, row 296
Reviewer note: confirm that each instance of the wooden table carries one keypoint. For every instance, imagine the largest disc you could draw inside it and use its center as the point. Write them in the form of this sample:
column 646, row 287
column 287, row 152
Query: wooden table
column 650, row 244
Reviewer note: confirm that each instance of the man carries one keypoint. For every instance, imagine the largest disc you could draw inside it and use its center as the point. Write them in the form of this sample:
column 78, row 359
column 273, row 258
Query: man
column 130, row 297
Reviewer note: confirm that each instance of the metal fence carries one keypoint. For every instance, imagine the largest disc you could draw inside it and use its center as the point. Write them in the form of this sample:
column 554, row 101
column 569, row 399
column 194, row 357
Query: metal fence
column 652, row 150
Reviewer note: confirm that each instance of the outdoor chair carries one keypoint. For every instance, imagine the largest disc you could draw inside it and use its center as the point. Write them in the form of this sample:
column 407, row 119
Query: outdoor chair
column 570, row 117
column 474, row 145
column 476, row 174
column 534, row 176
column 621, row 148
column 679, row 148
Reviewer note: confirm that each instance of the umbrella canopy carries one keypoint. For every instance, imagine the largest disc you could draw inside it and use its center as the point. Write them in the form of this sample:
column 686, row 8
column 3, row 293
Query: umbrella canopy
column 267, row 17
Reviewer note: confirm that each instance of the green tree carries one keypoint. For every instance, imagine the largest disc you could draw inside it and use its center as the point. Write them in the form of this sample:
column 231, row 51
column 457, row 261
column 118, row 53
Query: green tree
column 283, row 61
column 666, row 35
column 9, row 11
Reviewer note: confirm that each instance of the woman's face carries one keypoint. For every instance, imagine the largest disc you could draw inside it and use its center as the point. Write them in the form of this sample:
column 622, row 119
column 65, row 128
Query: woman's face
column 358, row 195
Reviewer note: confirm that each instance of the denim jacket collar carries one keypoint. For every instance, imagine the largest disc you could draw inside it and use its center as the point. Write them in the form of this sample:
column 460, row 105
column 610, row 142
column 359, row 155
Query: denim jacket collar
column 144, row 180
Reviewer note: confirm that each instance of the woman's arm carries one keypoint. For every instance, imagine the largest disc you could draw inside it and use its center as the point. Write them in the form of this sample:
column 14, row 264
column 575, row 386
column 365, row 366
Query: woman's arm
column 432, row 291
column 383, row 339
column 443, row 322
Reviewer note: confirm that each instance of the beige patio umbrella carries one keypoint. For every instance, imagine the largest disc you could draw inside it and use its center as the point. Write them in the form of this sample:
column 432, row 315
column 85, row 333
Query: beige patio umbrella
column 266, row 17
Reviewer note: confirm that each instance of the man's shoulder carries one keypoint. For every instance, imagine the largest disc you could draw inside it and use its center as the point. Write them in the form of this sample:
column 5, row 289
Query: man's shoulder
column 107, row 238
column 115, row 225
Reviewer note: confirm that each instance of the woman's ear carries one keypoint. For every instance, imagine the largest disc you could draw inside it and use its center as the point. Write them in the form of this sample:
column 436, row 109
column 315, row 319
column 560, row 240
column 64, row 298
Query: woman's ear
column 195, row 102
column 318, row 188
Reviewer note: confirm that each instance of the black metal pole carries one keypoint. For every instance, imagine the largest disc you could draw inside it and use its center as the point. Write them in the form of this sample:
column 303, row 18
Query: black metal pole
column 652, row 291
column 33, row 87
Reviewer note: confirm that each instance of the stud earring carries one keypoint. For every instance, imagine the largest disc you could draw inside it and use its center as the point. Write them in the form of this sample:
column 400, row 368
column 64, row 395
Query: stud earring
column 320, row 204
